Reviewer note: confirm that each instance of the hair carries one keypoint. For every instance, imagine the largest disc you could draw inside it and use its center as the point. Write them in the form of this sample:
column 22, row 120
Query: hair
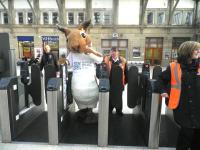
column 185, row 51
column 114, row 49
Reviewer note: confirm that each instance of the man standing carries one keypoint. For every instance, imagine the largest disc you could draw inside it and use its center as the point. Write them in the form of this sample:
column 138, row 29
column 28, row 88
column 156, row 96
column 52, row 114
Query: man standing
column 116, row 62
column 48, row 58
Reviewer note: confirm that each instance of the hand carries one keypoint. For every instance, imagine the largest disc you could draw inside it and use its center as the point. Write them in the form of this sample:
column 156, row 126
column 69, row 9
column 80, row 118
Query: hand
column 98, row 54
column 57, row 74
column 165, row 95
column 90, row 50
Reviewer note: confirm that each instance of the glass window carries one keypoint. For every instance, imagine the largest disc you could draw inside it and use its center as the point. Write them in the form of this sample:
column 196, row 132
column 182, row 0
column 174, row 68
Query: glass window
column 107, row 17
column 20, row 18
column 114, row 43
column 70, row 18
column 54, row 17
column 5, row 18
column 150, row 18
column 45, row 18
column 187, row 18
column 80, row 17
column 161, row 18
column 97, row 18
column 177, row 19
column 123, row 43
column 105, row 43
column 30, row 17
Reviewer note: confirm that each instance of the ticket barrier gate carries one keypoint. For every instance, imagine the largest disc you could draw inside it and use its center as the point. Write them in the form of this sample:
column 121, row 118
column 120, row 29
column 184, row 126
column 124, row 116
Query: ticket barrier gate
column 142, row 128
column 153, row 116
column 15, row 121
column 143, row 123
column 165, row 125
column 58, row 116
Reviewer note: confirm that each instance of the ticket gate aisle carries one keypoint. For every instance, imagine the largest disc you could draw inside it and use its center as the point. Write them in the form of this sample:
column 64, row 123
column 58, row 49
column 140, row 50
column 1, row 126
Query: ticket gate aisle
column 146, row 124
column 63, row 124
column 140, row 129
column 21, row 120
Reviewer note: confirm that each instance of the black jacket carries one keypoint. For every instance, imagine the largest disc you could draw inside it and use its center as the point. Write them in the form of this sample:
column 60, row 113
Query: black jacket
column 117, row 63
column 187, row 114
column 49, row 59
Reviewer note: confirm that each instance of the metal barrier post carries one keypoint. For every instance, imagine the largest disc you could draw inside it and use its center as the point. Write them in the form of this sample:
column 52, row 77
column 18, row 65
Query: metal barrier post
column 155, row 117
column 7, row 87
column 103, row 112
column 54, row 93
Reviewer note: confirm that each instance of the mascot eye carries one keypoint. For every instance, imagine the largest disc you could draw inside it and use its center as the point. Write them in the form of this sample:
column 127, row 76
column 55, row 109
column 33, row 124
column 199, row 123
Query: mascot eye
column 83, row 34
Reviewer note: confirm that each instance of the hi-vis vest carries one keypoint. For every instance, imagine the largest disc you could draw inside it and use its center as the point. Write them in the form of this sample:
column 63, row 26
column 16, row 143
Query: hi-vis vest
column 175, row 90
column 199, row 70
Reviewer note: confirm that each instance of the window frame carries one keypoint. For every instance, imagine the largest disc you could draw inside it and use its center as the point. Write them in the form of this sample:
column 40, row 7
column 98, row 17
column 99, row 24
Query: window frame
column 27, row 17
column 43, row 21
column 164, row 17
column 153, row 13
column 156, row 12
column 18, row 17
column 52, row 18
column 78, row 21
column 103, row 12
column 73, row 23
column 2, row 17
column 183, row 18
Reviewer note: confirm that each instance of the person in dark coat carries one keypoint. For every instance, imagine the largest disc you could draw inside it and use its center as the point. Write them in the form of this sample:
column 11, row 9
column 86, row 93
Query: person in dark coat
column 48, row 58
column 187, row 112
column 116, row 87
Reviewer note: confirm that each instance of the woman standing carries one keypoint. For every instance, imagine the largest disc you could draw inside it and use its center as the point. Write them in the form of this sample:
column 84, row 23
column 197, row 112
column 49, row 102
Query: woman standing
column 180, row 84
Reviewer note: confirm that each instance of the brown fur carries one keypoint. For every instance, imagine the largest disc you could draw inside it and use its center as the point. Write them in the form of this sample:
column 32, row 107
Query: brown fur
column 78, row 40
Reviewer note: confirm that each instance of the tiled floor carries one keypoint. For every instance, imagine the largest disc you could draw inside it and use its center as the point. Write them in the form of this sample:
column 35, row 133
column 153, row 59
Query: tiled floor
column 45, row 146
column 41, row 146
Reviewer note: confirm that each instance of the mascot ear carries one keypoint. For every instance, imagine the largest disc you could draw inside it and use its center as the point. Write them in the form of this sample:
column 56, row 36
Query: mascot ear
column 64, row 30
column 85, row 25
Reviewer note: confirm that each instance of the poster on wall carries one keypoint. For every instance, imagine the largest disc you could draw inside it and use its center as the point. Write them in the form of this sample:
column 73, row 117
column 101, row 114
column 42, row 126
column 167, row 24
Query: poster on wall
column 53, row 42
column 25, row 46
column 27, row 52
column 136, row 52
column 167, row 55
column 38, row 52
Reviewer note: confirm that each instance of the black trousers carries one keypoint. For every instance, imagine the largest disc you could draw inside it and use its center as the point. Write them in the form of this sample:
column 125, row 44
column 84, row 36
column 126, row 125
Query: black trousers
column 188, row 138
column 115, row 101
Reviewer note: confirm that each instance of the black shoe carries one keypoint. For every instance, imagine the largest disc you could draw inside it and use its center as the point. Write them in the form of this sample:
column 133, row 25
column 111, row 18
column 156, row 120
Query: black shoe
column 81, row 114
column 119, row 113
column 91, row 118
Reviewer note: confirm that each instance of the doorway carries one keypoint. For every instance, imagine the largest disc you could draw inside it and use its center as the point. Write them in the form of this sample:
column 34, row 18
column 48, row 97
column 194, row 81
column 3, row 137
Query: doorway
column 153, row 50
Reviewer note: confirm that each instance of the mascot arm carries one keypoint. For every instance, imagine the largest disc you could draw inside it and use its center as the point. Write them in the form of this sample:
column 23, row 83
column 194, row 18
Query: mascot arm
column 95, row 58
column 69, row 59
column 90, row 50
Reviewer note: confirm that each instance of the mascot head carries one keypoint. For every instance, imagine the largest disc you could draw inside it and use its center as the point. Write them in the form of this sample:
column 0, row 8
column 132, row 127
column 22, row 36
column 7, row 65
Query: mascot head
column 78, row 40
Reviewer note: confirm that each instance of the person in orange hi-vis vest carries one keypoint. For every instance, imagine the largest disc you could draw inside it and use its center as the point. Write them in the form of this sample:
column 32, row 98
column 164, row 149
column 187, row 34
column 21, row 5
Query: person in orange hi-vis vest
column 116, row 89
column 180, row 85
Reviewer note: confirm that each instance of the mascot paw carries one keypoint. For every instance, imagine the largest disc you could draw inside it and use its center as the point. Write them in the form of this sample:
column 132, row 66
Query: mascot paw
column 81, row 114
column 59, row 27
column 91, row 118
